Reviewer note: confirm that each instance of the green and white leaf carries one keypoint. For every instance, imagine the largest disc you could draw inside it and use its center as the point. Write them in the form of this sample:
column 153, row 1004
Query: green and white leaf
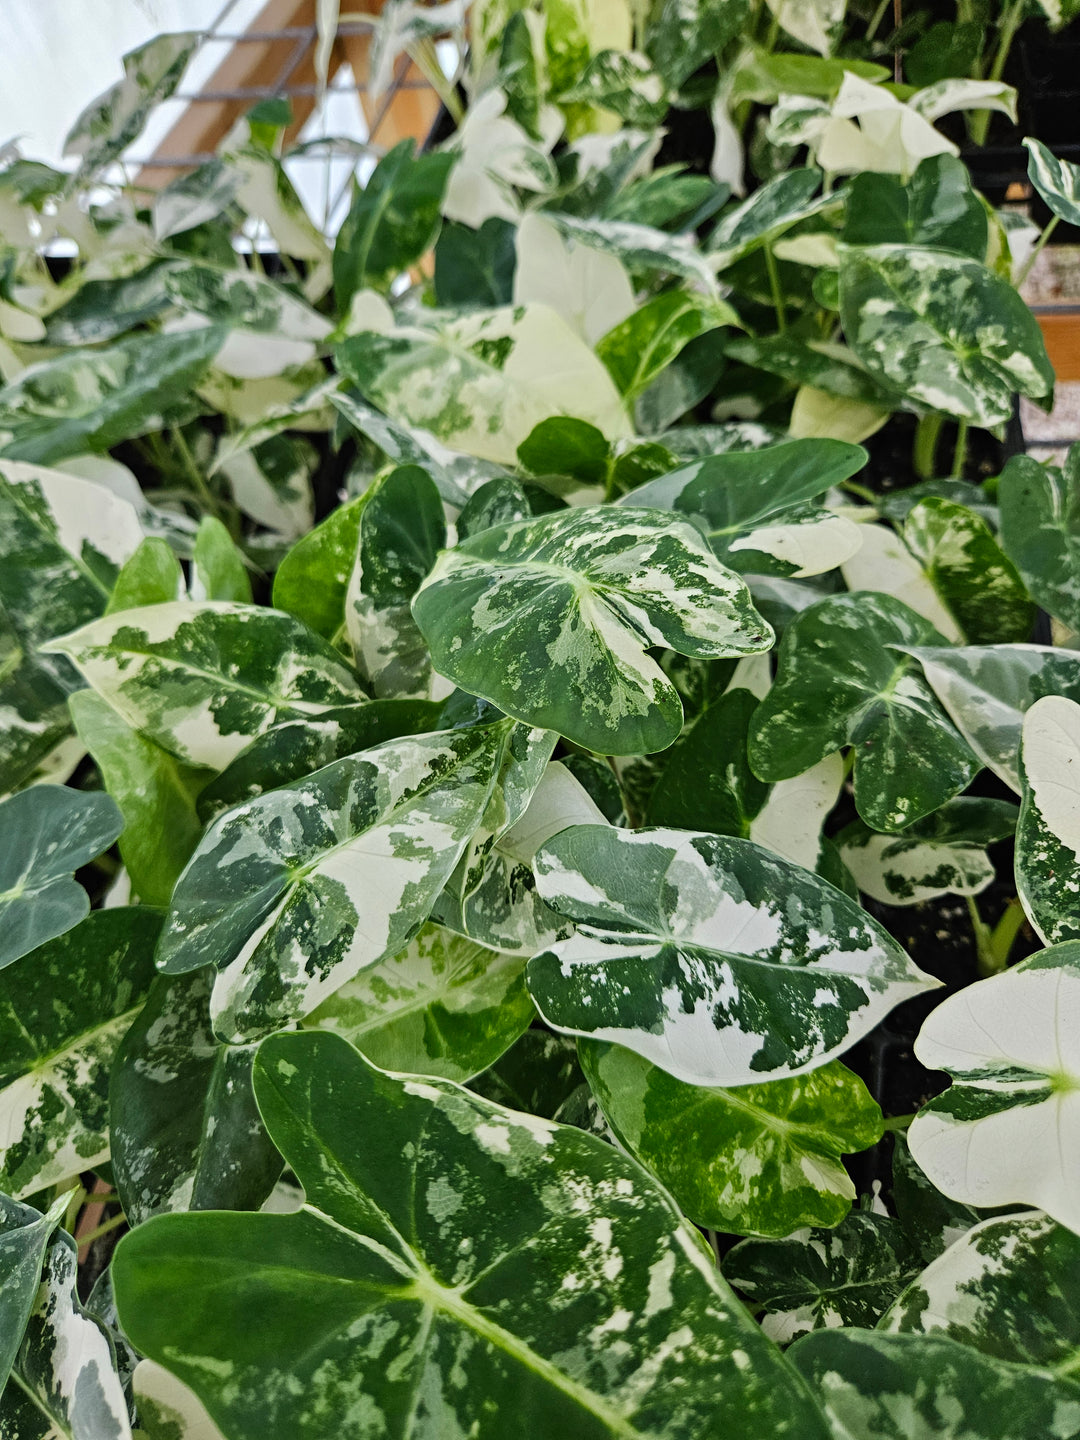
column 756, row 1160
column 66, row 1377
column 1057, row 181
column 588, row 287
column 445, row 1006
column 24, row 1238
column 63, row 1011
column 482, row 382
column 1048, row 834
column 986, row 690
column 709, row 956
column 194, row 197
column 584, row 1286
column 638, row 350
column 755, row 507
column 641, row 247
column 937, row 209
column 293, row 893
column 272, row 483
column 1007, row 1132
column 46, row 834
column 202, row 680
column 843, row 681
column 549, row 619
column 765, row 215
column 942, row 330
column 896, row 1387
column 184, row 1129
column 942, row 854
column 812, row 22
column 1040, row 530
column 167, row 1408
column 401, row 530
column 819, row 1278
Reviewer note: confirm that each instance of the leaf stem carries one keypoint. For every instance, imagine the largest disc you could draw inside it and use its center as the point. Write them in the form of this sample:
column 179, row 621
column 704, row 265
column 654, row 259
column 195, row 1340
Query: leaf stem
column 990, row 963
column 960, row 452
column 775, row 287
column 425, row 57
column 898, row 1122
column 113, row 1223
column 862, row 491
column 927, row 433
column 75, row 1204
column 1036, row 249
column 1003, row 936
column 980, row 121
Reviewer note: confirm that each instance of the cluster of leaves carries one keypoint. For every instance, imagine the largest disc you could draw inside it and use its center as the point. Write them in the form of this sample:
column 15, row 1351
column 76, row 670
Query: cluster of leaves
column 486, row 920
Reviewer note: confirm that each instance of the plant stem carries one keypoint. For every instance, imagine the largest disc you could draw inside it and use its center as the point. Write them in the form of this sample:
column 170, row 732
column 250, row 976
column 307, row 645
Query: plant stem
column 774, row 286
column 980, row 121
column 878, row 16
column 104, row 1228
column 960, row 452
column 1036, row 250
column 194, row 474
column 926, row 438
column 898, row 1122
column 989, row 961
column 75, row 1204
column 863, row 492
column 1003, row 936
column 425, row 57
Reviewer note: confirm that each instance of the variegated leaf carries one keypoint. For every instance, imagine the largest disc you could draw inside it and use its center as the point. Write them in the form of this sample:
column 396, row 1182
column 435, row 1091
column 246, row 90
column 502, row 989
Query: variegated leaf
column 844, row 680
column 757, row 1160
column 312, row 580
column 765, row 215
column 401, row 531
column 641, row 247
column 1040, row 530
column 66, row 1377
column 492, row 896
column 1009, row 1288
column 184, row 1130
column 482, row 382
column 1048, row 835
column 202, row 680
column 987, row 689
column 816, row 1278
column 896, row 1387
column 550, row 618
column 445, row 1006
column 942, row 854
column 753, row 507
column 63, row 1011
column 293, row 893
column 1007, row 1132
column 709, row 956
column 583, row 1285
column 168, row 1409
column 47, row 833
column 24, row 1238
column 943, row 330
column 271, row 483
column 1057, row 181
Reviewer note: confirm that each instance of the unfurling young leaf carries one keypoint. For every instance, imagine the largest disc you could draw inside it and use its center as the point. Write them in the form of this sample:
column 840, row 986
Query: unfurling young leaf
column 403, row 1283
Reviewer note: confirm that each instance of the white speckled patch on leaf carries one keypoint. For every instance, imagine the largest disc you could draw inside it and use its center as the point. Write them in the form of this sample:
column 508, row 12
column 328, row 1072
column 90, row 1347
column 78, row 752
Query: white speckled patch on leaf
column 709, row 956
column 1007, row 1132
column 202, row 680
column 1040, row 530
column 401, row 1301
column 294, row 892
column 550, row 620
column 1048, row 835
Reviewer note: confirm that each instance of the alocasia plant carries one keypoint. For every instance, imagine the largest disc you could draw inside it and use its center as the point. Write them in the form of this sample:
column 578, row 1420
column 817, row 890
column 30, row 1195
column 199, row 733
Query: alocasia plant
column 500, row 729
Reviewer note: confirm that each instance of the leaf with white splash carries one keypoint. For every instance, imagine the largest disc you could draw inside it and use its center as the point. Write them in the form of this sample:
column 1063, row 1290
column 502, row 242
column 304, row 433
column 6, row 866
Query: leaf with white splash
column 1040, row 530
column 766, row 215
column 1009, row 1288
column 184, row 1129
column 812, row 22
column 755, row 507
column 588, row 287
column 843, row 680
column 1048, row 835
column 293, row 893
column 709, row 956
column 1007, row 1132
column 67, row 1381
column 202, row 680
column 272, row 483
column 640, row 348
column 1057, row 181
column 684, row 34
column 640, row 247
column 399, row 1177
column 480, row 383
column 194, row 197
column 895, row 1387
column 756, row 1160
column 943, row 330
column 401, row 530
column 550, row 619
column 24, row 1238
column 817, row 1278
column 46, row 834
column 942, row 854
column 167, row 1408
column 445, row 1006
column 63, row 1011
column 987, row 689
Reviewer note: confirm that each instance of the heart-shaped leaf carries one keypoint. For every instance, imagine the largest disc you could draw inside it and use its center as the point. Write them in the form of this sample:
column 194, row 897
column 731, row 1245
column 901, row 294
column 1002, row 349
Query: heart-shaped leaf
column 937, row 209
column 294, row 892
column 582, row 1290
column 843, row 680
column 1007, row 1131
column 1040, row 530
column 46, row 833
column 709, row 956
column 757, row 1160
column 550, row 619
